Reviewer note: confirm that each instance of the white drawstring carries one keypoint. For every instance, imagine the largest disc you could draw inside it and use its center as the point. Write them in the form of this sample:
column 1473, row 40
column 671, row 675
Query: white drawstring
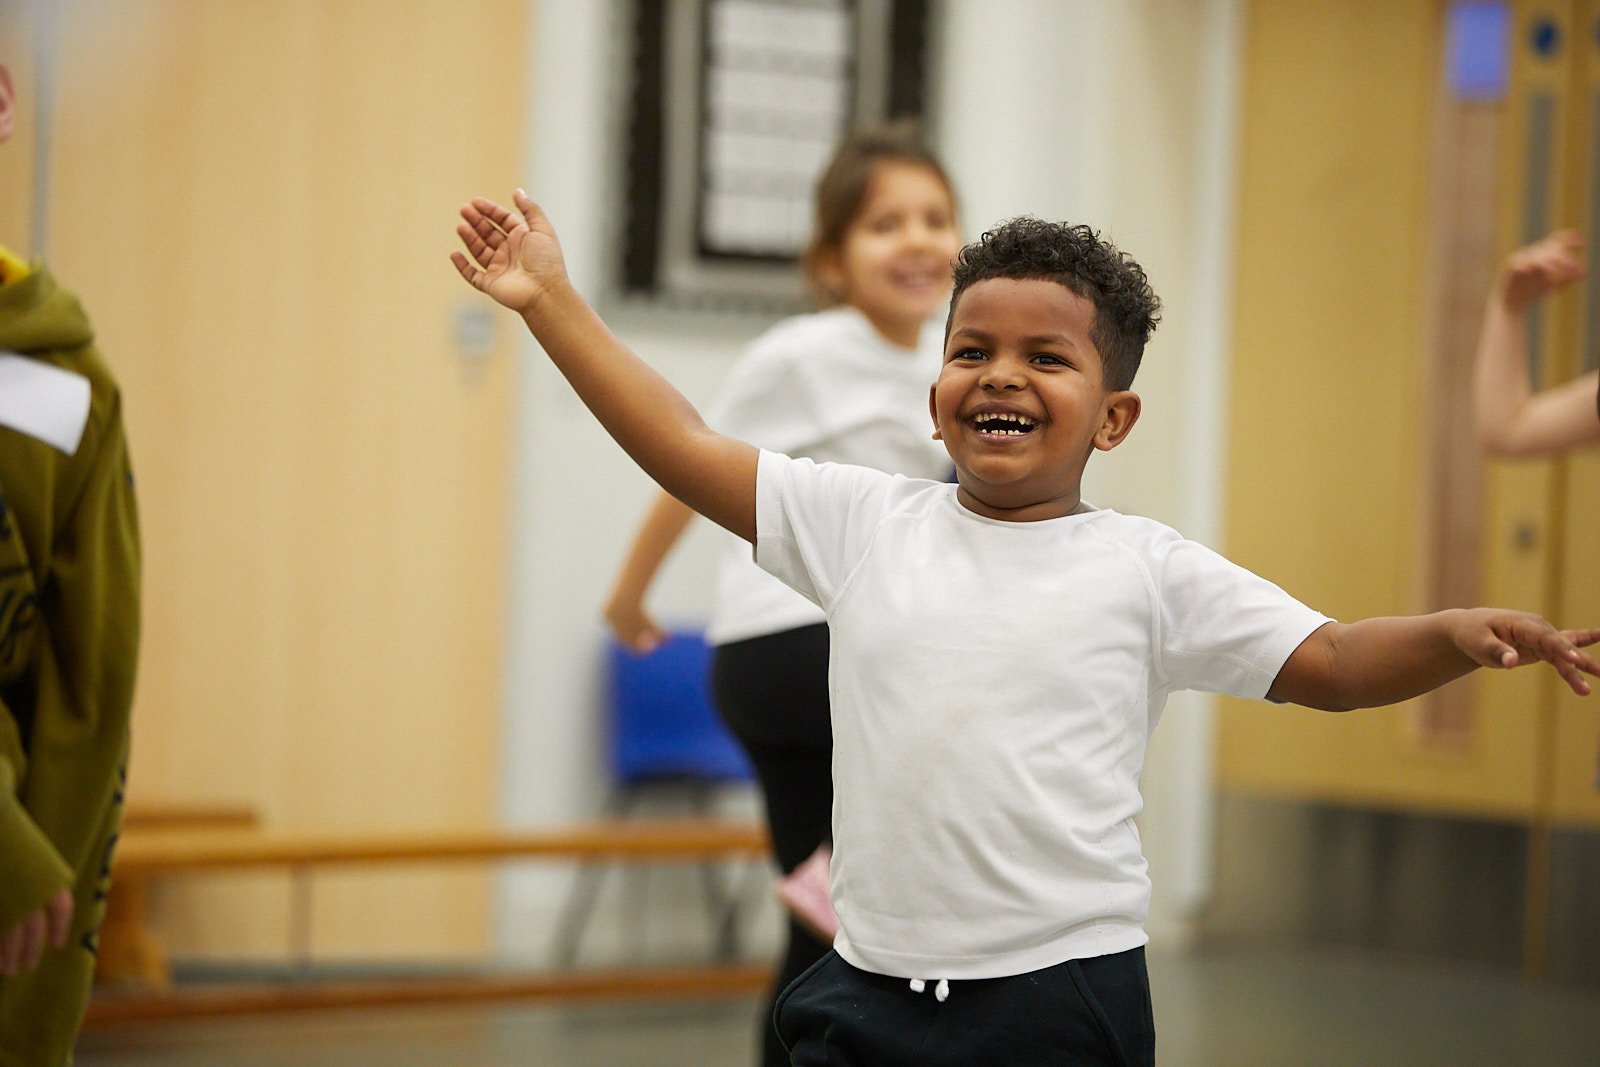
column 941, row 992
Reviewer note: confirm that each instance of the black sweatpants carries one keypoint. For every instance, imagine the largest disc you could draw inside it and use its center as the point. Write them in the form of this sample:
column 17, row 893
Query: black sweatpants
column 772, row 691
column 1086, row 1013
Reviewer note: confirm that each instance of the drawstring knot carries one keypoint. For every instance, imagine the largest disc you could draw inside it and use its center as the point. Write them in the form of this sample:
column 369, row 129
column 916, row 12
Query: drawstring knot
column 941, row 992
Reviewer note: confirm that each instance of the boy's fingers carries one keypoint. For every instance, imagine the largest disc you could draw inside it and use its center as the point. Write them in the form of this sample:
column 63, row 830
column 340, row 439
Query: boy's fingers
column 488, row 232
column 474, row 243
column 1582, row 638
column 1561, row 652
column 468, row 271
column 496, row 214
column 1575, row 681
column 475, row 218
column 530, row 211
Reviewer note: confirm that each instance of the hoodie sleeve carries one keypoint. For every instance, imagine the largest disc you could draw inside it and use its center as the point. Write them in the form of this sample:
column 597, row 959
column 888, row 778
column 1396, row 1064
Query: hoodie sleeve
column 33, row 871
column 90, row 605
column 58, row 793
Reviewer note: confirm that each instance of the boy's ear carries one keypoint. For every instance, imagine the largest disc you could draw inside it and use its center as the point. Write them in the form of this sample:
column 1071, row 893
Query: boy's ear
column 1122, row 411
column 934, row 412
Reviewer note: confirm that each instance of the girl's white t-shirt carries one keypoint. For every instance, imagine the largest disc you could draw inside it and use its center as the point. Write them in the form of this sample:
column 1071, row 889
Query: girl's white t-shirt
column 993, row 686
column 826, row 386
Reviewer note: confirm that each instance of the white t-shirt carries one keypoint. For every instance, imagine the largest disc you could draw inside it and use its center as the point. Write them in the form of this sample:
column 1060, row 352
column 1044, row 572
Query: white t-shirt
column 993, row 687
column 826, row 386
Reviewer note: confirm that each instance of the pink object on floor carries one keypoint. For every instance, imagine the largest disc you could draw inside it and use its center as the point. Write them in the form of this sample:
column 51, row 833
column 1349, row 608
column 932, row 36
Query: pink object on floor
column 804, row 891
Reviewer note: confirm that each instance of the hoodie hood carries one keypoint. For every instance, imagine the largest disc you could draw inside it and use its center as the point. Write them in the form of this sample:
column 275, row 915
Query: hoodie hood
column 37, row 315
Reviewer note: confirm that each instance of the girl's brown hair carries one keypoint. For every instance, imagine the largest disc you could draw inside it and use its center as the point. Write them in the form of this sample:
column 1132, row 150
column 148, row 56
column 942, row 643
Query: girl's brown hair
column 843, row 188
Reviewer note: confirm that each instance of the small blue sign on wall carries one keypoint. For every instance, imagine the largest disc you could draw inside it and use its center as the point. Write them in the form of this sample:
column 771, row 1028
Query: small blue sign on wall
column 1478, row 50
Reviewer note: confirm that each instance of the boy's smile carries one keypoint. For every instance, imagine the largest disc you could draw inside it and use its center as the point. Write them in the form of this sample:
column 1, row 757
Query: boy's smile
column 1021, row 399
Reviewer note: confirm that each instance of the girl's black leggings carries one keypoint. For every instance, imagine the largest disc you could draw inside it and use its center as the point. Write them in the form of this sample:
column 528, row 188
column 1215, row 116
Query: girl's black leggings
column 772, row 691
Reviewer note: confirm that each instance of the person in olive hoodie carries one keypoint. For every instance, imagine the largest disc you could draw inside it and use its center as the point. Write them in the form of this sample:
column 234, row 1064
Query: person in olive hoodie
column 69, row 626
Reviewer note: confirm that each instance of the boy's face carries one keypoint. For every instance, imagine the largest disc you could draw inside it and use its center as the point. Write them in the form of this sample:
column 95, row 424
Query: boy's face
column 1021, row 399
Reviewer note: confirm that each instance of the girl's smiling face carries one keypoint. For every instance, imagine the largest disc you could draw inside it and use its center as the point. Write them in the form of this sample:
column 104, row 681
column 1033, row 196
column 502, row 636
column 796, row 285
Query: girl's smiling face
column 894, row 261
column 1021, row 399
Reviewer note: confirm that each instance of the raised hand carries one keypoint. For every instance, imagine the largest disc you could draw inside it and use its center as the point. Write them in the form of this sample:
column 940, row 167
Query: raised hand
column 1495, row 638
column 515, row 255
column 1535, row 271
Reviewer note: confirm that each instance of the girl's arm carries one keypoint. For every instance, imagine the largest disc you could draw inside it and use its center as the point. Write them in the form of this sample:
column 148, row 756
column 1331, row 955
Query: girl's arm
column 516, row 259
column 665, row 522
column 1512, row 419
column 1386, row 660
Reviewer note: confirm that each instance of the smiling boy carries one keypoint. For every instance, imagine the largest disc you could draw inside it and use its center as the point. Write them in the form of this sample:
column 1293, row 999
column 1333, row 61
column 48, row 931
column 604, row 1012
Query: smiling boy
column 1000, row 650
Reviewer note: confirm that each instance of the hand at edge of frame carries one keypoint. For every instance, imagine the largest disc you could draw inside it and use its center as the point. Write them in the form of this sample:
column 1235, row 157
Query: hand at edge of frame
column 1539, row 269
column 22, row 946
column 1494, row 638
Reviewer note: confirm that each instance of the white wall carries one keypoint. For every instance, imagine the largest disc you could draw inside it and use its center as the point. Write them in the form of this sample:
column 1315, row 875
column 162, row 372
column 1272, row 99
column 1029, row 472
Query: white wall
column 1113, row 112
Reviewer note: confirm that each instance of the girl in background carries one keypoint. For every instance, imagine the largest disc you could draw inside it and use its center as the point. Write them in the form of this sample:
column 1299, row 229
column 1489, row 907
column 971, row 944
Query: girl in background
column 846, row 384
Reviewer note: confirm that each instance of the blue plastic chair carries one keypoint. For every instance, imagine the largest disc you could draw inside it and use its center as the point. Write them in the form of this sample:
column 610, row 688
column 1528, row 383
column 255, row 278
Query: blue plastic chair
column 664, row 733
column 663, row 723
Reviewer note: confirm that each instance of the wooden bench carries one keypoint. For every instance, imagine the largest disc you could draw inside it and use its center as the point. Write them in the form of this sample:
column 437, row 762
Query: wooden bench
column 129, row 951
column 134, row 960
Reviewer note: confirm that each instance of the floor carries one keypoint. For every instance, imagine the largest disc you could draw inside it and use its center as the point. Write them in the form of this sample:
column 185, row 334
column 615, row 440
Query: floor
column 1215, row 1008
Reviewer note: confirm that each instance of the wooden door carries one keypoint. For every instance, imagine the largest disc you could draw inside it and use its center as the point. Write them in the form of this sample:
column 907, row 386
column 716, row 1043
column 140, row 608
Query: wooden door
column 255, row 201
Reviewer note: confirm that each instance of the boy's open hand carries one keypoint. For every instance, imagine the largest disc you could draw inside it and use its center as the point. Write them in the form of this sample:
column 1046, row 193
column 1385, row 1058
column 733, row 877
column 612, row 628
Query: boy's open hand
column 1495, row 638
column 1535, row 271
column 515, row 255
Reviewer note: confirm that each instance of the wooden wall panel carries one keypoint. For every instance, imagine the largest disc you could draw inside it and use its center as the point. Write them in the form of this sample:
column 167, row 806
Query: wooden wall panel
column 256, row 201
column 1325, row 453
column 1503, row 744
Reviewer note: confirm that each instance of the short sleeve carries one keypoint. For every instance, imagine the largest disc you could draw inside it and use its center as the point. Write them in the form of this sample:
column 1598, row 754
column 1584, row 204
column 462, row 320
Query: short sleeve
column 815, row 521
column 1223, row 628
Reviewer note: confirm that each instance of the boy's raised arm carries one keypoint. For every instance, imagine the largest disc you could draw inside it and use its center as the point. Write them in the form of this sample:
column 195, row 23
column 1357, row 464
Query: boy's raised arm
column 1386, row 660
column 516, row 259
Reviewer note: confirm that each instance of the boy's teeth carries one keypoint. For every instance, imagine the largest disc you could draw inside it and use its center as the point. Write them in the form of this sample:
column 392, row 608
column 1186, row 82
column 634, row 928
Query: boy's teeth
column 994, row 423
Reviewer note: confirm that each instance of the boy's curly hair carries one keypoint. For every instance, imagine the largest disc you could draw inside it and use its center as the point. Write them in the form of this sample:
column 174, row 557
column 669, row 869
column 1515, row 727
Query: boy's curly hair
column 1126, row 308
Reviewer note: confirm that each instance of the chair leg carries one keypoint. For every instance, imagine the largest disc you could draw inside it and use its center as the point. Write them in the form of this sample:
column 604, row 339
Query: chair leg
column 753, row 874
column 577, row 911
column 722, row 902
column 585, row 892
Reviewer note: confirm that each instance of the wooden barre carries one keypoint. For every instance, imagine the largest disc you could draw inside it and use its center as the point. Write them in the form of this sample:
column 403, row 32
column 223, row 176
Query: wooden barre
column 141, row 856
column 697, row 982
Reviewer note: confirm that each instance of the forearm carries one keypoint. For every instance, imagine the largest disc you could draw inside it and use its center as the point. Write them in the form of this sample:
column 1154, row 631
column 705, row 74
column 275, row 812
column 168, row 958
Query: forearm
column 1373, row 662
column 662, row 527
column 653, row 422
column 1501, row 385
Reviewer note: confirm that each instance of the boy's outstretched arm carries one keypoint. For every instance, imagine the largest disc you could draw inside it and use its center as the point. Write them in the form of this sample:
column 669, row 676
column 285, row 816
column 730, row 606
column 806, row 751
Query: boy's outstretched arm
column 1386, row 660
column 516, row 259
column 1512, row 419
